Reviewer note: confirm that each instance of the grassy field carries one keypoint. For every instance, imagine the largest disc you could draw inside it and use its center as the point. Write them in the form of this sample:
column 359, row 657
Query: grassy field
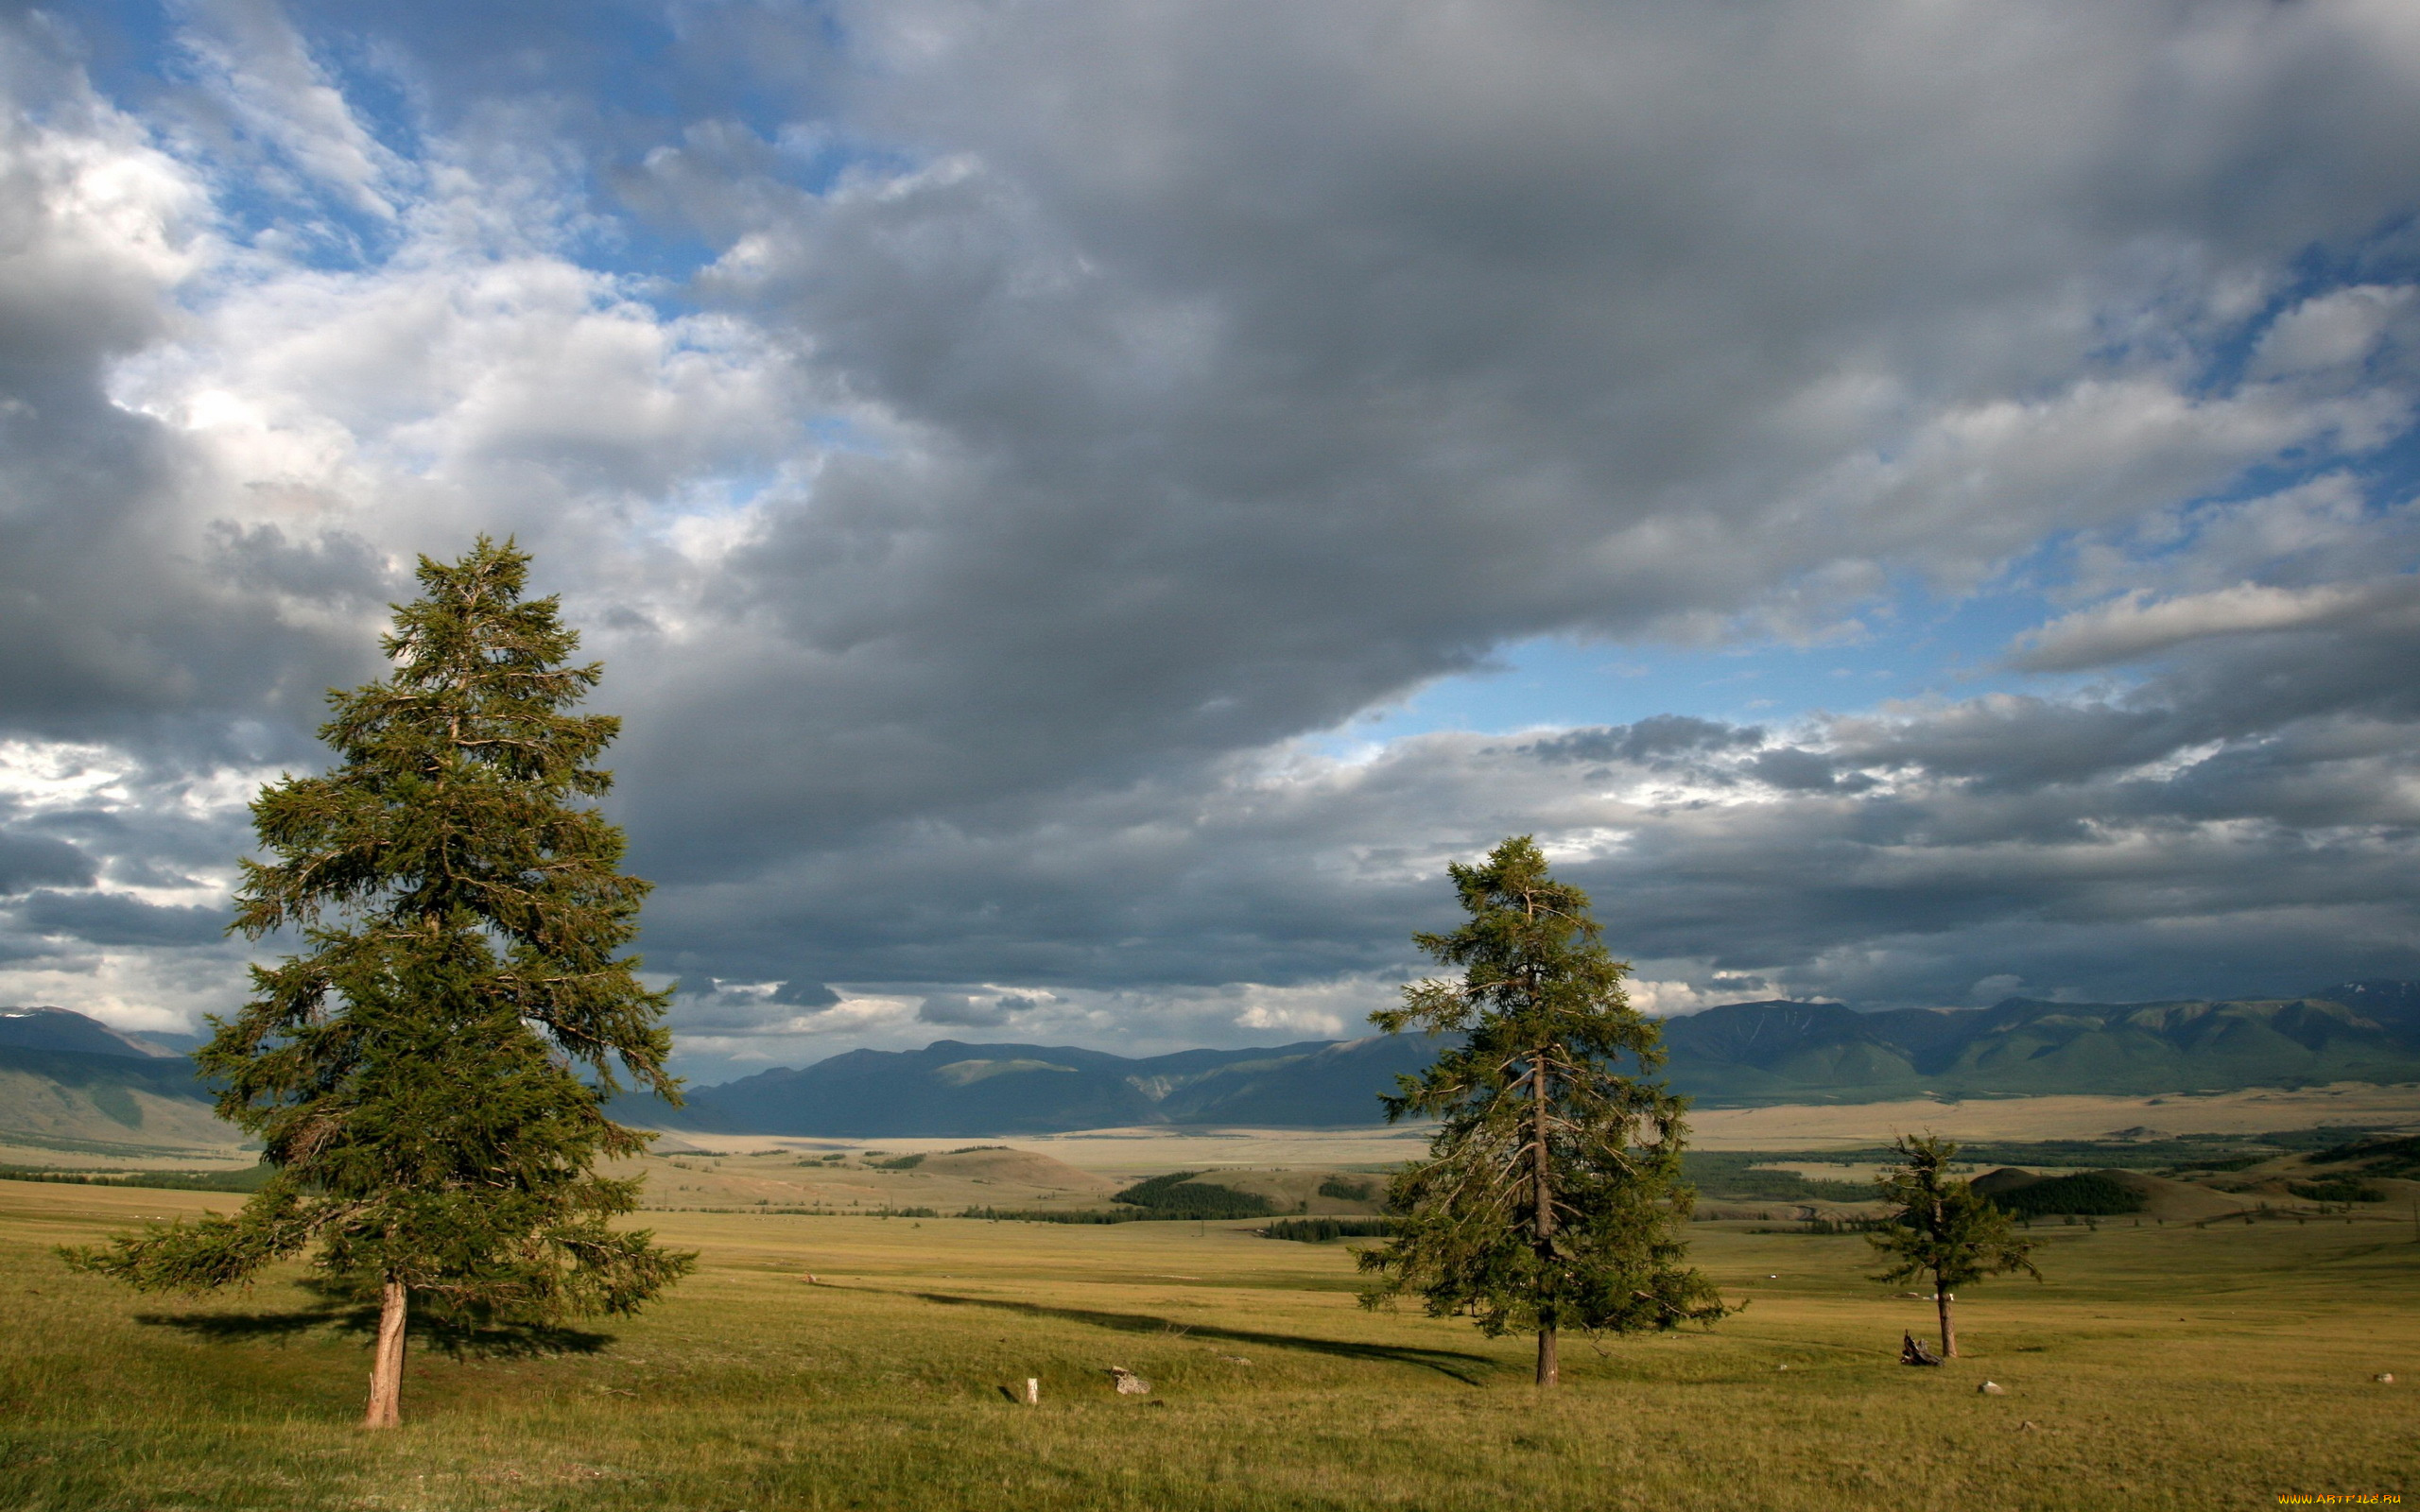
column 1979, row 1119
column 2161, row 1367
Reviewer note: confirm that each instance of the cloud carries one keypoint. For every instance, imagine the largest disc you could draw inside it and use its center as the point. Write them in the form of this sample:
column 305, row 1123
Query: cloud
column 1661, row 736
column 31, row 861
column 2327, row 331
column 258, row 68
column 967, row 1010
column 1788, row 768
column 988, row 452
column 1193, row 472
column 2130, row 628
column 117, row 919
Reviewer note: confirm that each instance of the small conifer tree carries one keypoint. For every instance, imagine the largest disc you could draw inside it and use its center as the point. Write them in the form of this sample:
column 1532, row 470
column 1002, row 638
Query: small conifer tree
column 416, row 1072
column 1941, row 1226
column 1551, row 1196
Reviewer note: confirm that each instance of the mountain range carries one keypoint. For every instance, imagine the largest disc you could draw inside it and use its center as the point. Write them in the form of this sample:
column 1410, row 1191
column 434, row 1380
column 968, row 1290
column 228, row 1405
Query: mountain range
column 1739, row 1053
column 64, row 1078
column 950, row 1089
column 62, row 1073
column 1780, row 1052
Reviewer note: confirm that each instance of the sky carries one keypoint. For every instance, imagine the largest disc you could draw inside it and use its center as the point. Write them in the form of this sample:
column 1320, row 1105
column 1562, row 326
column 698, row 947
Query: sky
column 1086, row 509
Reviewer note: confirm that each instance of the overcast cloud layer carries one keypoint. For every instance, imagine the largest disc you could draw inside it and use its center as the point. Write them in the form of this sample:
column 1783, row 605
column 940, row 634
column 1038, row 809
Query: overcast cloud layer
column 1023, row 464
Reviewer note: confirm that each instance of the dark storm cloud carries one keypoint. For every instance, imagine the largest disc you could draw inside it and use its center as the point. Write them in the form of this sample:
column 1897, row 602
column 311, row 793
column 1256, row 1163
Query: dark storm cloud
column 117, row 919
column 2180, row 845
column 965, row 1010
column 32, row 861
column 1662, row 735
column 1795, row 770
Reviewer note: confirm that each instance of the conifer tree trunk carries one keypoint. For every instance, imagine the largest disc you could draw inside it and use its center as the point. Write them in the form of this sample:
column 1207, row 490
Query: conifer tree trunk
column 1549, row 1368
column 1948, row 1330
column 386, row 1364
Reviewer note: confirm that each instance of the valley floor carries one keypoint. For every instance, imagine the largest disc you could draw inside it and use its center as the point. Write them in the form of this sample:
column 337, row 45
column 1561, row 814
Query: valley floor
column 2161, row 1365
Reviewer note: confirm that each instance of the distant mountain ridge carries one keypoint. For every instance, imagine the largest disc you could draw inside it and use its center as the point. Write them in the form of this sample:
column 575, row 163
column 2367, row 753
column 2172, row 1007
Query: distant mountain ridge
column 1739, row 1053
column 1804, row 1051
column 64, row 1075
column 950, row 1088
column 62, row 1029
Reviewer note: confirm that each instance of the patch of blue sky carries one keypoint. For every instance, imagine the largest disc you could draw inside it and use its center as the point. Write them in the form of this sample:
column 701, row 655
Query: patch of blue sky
column 642, row 240
column 380, row 88
column 658, row 256
column 722, row 493
column 625, row 77
column 1917, row 648
column 2391, row 473
column 839, row 433
column 1910, row 647
column 2386, row 476
column 279, row 214
column 618, row 78
column 135, row 53
column 2389, row 254
column 120, row 44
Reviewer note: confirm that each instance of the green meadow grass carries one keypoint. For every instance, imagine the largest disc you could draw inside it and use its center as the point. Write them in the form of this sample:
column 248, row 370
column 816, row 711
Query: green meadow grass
column 2160, row 1366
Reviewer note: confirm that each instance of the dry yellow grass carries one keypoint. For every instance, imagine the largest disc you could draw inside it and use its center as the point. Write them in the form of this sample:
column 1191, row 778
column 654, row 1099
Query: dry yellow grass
column 1804, row 1127
column 868, row 1179
column 2161, row 1367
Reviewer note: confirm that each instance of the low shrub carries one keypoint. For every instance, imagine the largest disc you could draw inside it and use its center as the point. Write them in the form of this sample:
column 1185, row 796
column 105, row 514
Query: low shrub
column 1819, row 1225
column 2336, row 1189
column 1321, row 1231
column 248, row 1179
column 1735, row 1176
column 2085, row 1193
column 2217, row 1167
column 2377, row 1157
column 1179, row 1196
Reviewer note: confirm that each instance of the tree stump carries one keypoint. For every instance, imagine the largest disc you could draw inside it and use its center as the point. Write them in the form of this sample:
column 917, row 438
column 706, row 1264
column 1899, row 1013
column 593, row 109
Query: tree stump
column 1913, row 1351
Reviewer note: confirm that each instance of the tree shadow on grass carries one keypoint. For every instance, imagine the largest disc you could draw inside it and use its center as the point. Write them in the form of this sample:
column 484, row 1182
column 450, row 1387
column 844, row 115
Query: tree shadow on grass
column 497, row 1341
column 1465, row 1368
column 457, row 1340
column 229, row 1328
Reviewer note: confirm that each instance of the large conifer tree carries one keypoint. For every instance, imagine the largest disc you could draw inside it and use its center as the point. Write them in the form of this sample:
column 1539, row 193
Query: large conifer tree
column 429, row 1075
column 1551, row 1196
